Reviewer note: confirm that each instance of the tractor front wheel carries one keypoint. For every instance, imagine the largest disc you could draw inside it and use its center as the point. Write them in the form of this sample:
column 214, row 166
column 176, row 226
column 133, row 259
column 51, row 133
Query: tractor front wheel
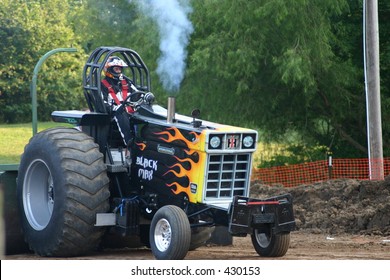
column 170, row 233
column 268, row 244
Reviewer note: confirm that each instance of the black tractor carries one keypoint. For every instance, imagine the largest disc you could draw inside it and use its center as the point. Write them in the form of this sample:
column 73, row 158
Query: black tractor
column 77, row 190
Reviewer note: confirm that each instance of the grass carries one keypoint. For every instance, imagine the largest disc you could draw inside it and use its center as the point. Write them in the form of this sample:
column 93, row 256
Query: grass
column 13, row 138
column 266, row 151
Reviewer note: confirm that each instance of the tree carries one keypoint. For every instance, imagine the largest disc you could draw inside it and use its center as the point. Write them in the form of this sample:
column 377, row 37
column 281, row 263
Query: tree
column 29, row 29
column 276, row 65
column 281, row 65
column 121, row 23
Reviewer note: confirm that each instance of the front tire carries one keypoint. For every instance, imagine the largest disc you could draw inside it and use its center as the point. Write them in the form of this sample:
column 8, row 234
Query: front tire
column 170, row 233
column 62, row 184
column 268, row 244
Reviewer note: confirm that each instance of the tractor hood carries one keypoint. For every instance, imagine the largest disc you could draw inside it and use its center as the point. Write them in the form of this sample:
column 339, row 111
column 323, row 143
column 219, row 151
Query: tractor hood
column 156, row 113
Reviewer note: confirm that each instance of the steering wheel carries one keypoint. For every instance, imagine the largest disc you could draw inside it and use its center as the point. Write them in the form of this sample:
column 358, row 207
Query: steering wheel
column 137, row 98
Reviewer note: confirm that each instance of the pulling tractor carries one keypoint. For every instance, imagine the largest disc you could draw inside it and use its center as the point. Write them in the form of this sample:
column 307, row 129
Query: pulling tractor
column 77, row 189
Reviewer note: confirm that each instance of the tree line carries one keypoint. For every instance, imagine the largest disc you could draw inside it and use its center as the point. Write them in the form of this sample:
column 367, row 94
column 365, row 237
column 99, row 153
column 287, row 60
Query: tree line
column 286, row 68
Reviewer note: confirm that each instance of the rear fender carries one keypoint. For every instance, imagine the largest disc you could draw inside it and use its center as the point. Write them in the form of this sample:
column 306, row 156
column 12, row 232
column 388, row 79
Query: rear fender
column 81, row 118
column 93, row 124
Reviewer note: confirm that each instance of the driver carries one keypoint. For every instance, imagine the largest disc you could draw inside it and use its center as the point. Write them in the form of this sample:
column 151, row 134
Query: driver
column 115, row 88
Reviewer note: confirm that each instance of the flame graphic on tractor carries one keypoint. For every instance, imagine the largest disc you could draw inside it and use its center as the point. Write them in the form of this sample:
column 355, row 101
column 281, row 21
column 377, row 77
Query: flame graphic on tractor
column 177, row 135
column 192, row 161
column 141, row 146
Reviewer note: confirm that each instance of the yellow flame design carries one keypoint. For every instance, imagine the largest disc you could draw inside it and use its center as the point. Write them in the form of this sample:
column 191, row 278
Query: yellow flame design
column 177, row 135
column 174, row 134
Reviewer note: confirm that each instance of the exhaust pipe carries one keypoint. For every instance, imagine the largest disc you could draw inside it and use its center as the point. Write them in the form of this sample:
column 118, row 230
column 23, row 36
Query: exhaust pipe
column 171, row 109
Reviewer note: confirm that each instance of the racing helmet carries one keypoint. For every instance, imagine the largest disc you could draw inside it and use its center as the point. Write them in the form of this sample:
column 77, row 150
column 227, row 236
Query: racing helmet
column 113, row 67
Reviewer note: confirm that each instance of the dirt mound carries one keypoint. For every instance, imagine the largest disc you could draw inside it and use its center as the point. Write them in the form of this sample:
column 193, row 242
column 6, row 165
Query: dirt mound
column 337, row 206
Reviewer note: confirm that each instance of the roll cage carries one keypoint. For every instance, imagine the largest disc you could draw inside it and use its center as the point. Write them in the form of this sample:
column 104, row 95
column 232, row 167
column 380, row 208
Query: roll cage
column 92, row 73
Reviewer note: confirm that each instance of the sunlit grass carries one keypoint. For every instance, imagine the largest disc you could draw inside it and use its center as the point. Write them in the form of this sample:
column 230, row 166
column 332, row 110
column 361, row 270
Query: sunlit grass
column 13, row 138
column 265, row 152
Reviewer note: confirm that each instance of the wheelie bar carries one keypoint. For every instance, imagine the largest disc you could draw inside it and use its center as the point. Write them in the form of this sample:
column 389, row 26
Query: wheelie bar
column 275, row 213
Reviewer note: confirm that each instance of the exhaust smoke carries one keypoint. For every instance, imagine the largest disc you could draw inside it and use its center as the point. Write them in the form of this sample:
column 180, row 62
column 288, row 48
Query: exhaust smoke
column 171, row 17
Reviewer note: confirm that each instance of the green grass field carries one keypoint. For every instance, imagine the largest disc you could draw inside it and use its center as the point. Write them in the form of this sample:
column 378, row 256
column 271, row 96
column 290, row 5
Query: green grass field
column 13, row 138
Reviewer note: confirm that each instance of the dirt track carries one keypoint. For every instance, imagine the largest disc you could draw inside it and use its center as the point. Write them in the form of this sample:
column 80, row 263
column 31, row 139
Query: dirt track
column 340, row 219
column 306, row 246
column 303, row 246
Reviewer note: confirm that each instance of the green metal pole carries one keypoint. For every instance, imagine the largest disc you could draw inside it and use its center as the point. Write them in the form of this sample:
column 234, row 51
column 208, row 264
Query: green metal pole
column 33, row 89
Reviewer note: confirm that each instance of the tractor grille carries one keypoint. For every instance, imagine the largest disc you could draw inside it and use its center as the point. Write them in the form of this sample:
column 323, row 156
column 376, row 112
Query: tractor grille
column 227, row 176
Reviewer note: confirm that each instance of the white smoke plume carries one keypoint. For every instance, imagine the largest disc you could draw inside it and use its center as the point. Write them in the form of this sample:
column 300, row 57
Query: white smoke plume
column 175, row 29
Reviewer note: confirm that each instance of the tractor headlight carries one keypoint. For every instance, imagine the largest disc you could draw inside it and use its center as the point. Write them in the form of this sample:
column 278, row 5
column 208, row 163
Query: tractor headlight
column 248, row 141
column 215, row 142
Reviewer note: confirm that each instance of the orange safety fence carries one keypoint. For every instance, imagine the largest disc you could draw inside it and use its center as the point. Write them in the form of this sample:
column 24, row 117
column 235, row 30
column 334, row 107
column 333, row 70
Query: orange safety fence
column 322, row 170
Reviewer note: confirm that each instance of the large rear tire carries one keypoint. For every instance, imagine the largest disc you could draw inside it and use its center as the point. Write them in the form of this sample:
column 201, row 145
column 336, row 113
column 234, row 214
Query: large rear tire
column 62, row 183
column 268, row 244
column 170, row 233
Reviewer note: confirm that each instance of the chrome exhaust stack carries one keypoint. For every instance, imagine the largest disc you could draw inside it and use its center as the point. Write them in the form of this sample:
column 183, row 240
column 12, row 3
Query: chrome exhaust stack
column 171, row 109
